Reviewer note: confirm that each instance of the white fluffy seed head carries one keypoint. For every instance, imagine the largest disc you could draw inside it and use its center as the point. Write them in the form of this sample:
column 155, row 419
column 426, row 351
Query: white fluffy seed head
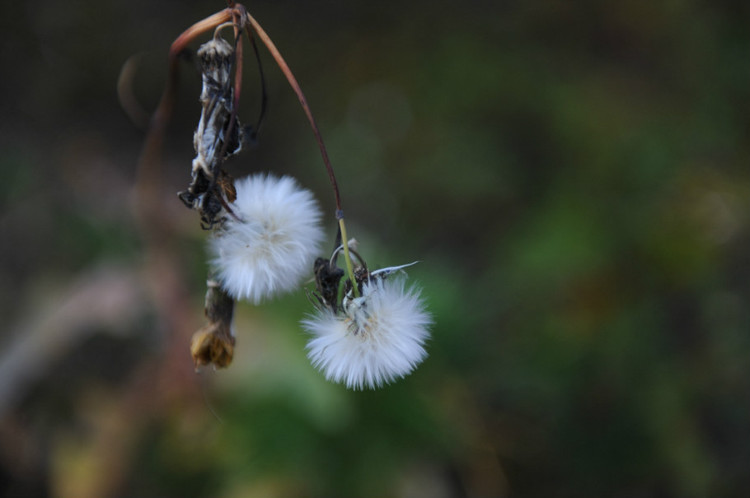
column 271, row 248
column 378, row 338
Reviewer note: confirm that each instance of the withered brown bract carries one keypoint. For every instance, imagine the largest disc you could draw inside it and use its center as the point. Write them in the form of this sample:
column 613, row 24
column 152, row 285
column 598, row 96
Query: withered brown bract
column 214, row 343
column 327, row 278
column 217, row 137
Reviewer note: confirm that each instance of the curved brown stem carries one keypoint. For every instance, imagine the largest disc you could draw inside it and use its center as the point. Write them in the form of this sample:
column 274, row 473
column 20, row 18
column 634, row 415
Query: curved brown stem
column 196, row 29
column 329, row 168
column 305, row 107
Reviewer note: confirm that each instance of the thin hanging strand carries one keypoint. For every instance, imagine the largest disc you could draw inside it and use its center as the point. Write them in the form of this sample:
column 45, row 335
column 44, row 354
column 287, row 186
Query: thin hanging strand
column 263, row 92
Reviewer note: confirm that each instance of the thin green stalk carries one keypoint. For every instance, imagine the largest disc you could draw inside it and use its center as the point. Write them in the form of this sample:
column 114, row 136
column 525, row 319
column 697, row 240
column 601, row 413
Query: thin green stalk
column 347, row 257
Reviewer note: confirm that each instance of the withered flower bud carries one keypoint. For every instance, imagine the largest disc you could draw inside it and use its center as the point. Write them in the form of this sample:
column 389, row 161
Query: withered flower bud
column 214, row 343
column 216, row 138
column 217, row 57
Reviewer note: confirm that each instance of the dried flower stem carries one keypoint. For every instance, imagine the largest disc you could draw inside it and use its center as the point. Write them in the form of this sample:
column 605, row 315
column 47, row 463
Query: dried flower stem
column 303, row 102
column 198, row 28
column 326, row 160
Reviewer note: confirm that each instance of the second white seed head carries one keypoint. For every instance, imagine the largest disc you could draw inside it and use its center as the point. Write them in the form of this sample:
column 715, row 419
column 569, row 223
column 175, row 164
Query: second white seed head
column 379, row 336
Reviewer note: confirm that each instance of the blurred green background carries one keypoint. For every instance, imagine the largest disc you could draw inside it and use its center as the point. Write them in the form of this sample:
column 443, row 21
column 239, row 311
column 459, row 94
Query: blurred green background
column 573, row 177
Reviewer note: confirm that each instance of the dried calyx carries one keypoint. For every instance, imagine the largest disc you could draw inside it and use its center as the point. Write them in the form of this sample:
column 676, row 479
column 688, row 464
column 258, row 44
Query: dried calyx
column 329, row 294
column 214, row 343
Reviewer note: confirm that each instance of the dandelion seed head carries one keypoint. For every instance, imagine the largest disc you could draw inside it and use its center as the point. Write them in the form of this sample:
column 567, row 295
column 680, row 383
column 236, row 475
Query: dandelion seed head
column 271, row 248
column 378, row 338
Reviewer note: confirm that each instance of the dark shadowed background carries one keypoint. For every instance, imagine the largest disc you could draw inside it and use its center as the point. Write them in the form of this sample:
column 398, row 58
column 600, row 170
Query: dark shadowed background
column 573, row 177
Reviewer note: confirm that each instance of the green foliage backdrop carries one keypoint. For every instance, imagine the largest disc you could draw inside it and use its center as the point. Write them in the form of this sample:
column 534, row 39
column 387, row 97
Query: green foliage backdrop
column 573, row 177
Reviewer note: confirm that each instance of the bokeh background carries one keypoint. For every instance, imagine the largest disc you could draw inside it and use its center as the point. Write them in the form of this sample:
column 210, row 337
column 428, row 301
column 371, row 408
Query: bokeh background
column 573, row 177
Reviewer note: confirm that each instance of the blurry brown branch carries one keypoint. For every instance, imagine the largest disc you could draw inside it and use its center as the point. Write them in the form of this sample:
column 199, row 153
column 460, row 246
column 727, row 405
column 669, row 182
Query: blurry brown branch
column 107, row 298
column 125, row 94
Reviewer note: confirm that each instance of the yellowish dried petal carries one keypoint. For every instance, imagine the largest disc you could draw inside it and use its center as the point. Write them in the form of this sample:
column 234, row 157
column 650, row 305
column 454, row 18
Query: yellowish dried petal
column 212, row 345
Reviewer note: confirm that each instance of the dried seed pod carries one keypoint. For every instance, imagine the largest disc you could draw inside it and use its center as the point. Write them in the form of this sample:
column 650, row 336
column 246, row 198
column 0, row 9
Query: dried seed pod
column 216, row 138
column 217, row 60
column 327, row 278
column 214, row 343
